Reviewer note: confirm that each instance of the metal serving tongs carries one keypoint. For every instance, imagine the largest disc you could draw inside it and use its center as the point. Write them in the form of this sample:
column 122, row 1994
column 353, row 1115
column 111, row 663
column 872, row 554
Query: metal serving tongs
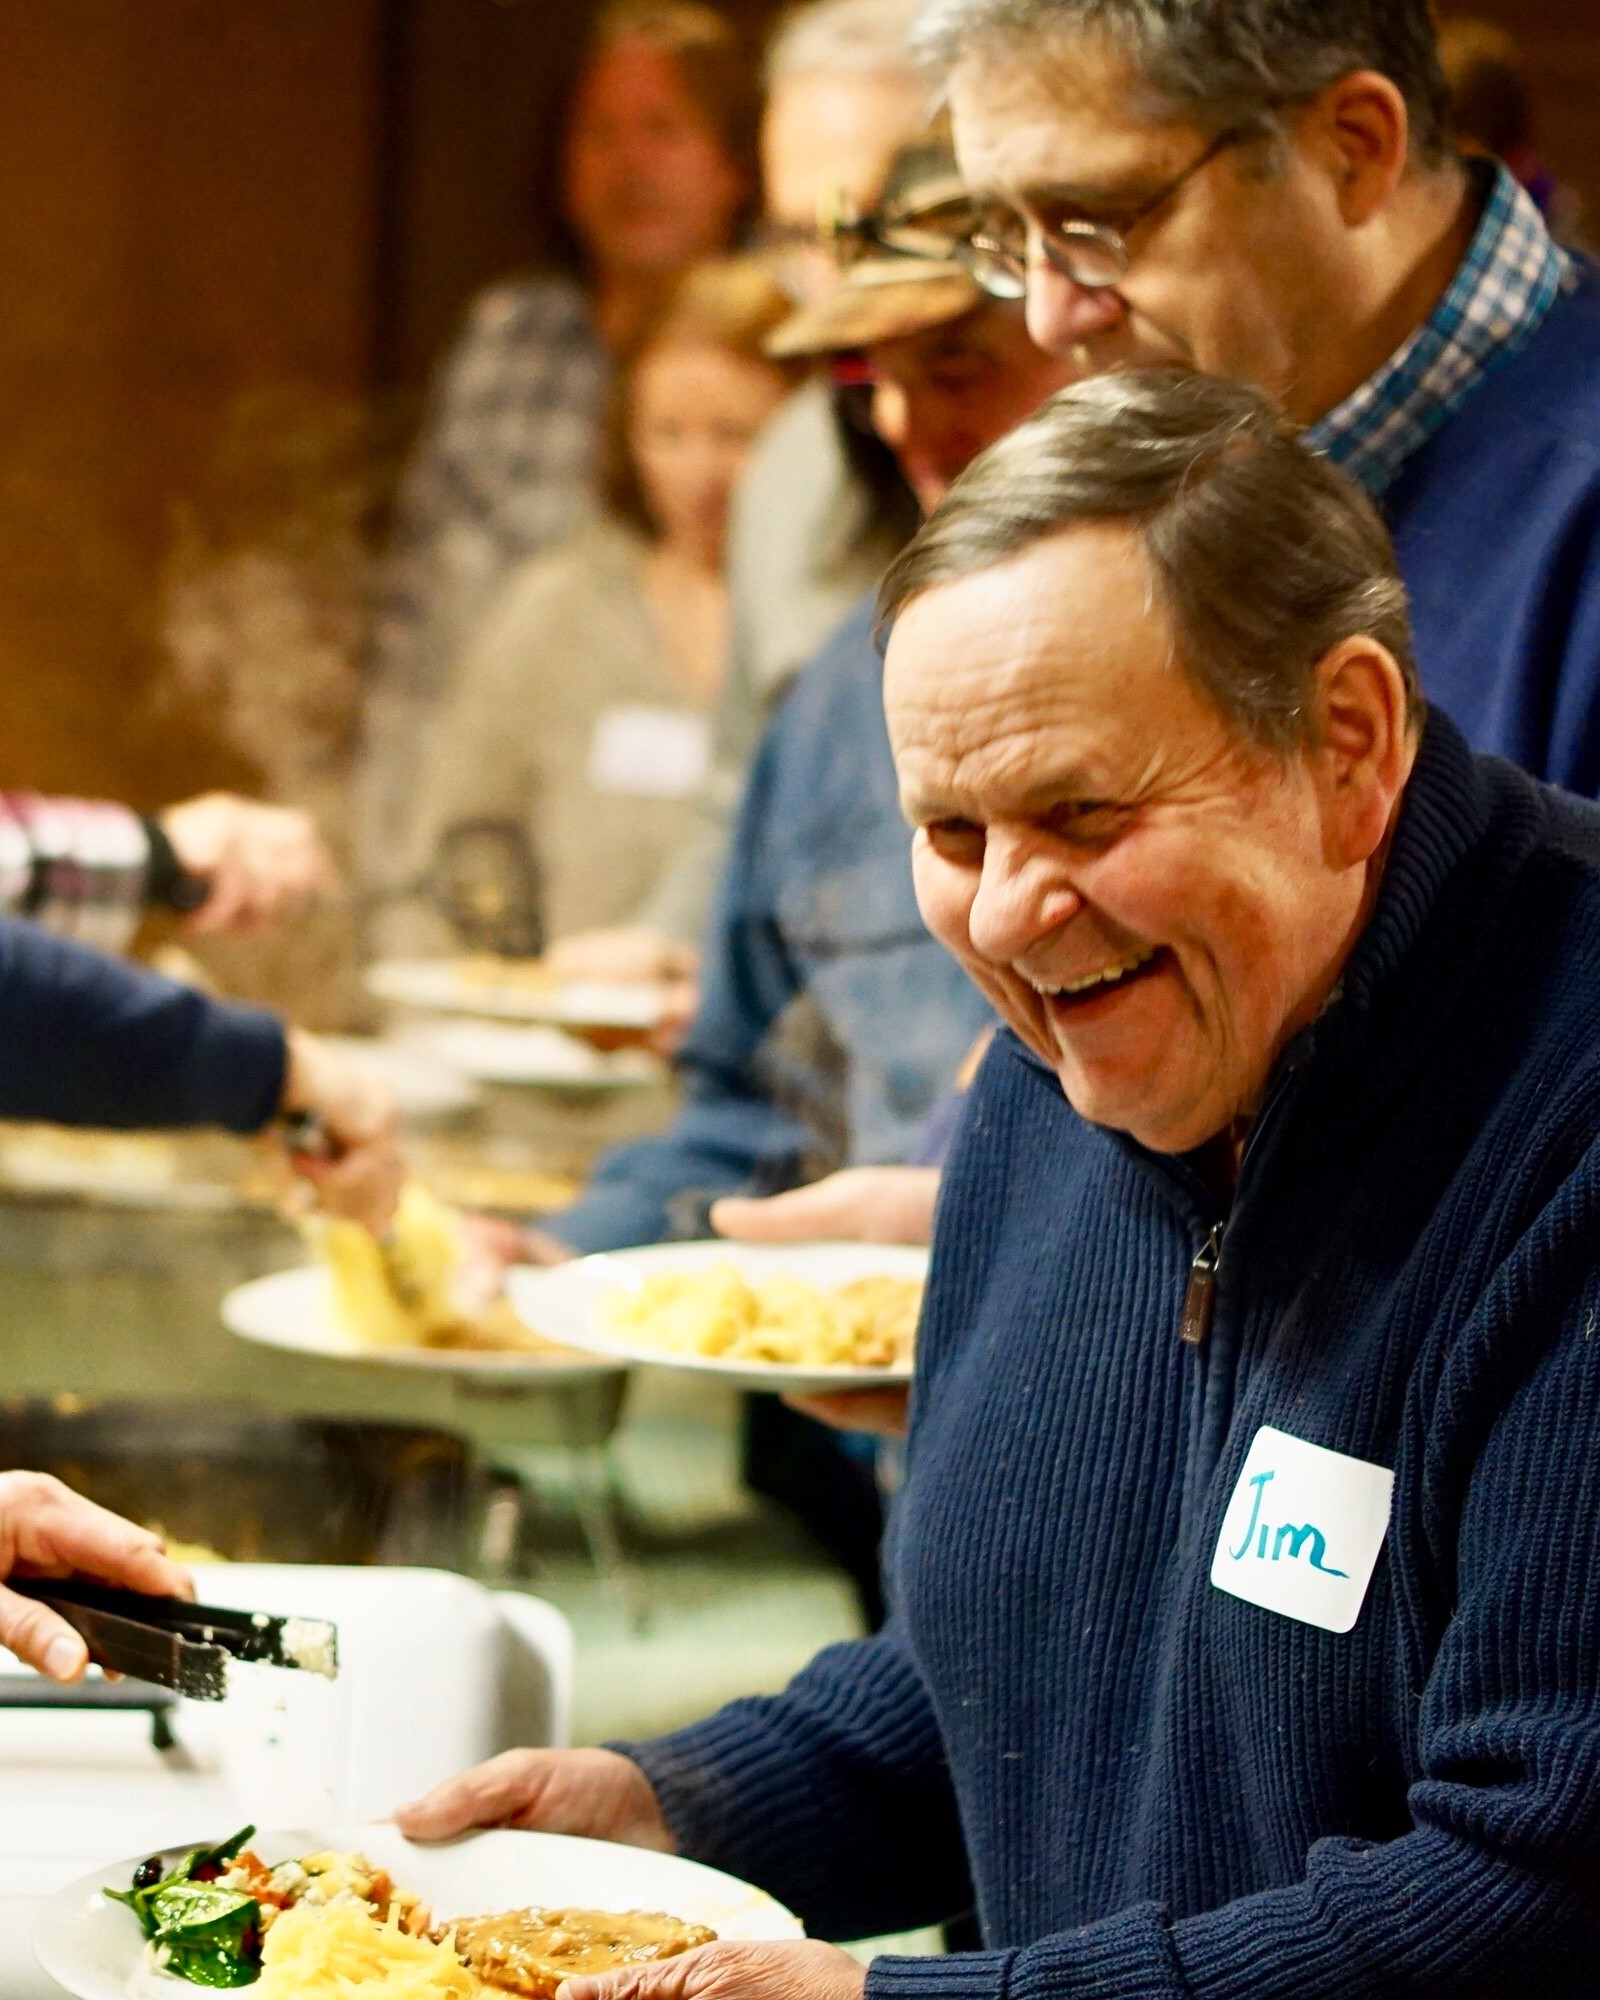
column 173, row 1644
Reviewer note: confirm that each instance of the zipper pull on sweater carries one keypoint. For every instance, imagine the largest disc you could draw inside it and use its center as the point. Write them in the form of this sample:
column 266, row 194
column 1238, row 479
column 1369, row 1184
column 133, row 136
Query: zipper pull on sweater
column 1199, row 1301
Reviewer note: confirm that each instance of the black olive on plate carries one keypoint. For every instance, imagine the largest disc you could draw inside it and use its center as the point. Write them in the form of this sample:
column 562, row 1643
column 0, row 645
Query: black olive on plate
column 149, row 1873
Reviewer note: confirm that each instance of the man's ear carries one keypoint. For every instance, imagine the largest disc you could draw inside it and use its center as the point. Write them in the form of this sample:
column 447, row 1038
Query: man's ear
column 1358, row 130
column 1365, row 747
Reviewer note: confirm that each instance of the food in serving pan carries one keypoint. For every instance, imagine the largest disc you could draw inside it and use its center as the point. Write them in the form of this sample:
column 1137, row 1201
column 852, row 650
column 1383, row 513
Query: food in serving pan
column 718, row 1312
column 327, row 1925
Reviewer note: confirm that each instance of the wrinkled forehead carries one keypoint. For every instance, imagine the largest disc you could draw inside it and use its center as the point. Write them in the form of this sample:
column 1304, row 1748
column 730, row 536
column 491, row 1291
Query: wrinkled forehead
column 1064, row 650
column 1071, row 119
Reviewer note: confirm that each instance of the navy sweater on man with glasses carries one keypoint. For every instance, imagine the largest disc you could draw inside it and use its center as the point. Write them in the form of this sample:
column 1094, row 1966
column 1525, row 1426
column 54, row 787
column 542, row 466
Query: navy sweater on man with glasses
column 1496, row 523
column 1180, row 1731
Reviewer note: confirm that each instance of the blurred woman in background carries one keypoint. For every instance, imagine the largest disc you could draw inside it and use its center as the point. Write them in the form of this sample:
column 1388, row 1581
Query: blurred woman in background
column 581, row 705
column 658, row 171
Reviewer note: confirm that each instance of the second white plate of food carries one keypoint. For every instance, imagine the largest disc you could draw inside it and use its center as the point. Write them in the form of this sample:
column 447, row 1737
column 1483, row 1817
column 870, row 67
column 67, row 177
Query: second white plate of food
column 516, row 990
column 535, row 1057
column 294, row 1310
column 685, row 1306
column 94, row 1948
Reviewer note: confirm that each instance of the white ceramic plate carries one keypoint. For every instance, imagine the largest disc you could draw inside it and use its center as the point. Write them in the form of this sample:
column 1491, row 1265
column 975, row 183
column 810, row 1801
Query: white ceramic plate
column 93, row 1948
column 293, row 1310
column 541, row 1057
column 441, row 985
column 562, row 1302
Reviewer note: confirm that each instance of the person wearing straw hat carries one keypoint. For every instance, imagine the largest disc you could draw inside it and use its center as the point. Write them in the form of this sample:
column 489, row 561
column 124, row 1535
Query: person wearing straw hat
column 816, row 898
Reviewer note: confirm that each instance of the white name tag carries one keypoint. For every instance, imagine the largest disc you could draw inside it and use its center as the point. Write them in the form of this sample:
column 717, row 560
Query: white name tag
column 1303, row 1531
column 649, row 753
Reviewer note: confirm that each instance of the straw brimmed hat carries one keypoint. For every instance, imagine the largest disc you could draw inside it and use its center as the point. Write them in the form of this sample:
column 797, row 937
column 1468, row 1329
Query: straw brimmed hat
column 907, row 280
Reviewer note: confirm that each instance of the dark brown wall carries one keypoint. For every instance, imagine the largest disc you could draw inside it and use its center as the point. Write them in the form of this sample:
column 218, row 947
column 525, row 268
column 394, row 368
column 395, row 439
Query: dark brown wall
column 188, row 212
column 208, row 205
column 1561, row 42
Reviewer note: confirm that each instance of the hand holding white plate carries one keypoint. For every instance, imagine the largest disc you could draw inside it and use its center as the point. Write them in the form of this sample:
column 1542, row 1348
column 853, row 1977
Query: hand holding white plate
column 94, row 1948
column 565, row 1303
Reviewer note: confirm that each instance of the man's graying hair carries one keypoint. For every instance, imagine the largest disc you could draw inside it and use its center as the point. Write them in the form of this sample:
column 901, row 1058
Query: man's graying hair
column 842, row 38
column 1224, row 65
column 1264, row 555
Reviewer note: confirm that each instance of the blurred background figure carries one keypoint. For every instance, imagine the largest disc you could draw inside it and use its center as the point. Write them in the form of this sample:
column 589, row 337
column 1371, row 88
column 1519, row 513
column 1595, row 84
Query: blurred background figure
column 823, row 507
column 581, row 705
column 658, row 170
column 1492, row 111
column 816, row 907
column 92, row 869
column 820, row 513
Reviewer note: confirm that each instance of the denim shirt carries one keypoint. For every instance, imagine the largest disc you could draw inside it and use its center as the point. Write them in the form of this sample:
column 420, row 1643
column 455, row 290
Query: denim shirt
column 816, row 899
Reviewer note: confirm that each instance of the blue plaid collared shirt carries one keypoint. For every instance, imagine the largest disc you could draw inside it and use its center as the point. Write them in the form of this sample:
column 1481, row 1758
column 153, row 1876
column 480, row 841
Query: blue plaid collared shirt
column 1510, row 278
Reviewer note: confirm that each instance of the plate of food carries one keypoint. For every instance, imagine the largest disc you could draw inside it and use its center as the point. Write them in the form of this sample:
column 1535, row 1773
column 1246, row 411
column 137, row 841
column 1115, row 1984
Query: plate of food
column 518, row 989
column 802, row 1318
column 534, row 1057
column 417, row 1299
column 312, row 1914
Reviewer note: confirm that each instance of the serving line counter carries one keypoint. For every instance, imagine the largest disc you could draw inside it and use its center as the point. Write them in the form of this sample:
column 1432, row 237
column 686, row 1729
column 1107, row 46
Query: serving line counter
column 110, row 1294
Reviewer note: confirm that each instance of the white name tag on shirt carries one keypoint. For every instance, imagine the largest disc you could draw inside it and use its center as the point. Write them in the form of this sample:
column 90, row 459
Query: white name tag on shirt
column 1303, row 1531
column 649, row 753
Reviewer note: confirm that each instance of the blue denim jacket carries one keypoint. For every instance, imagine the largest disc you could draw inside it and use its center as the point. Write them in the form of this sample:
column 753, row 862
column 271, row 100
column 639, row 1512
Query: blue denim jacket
column 816, row 898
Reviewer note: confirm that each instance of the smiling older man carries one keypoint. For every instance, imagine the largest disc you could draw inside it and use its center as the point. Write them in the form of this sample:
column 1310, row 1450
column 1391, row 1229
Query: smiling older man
column 1246, row 1629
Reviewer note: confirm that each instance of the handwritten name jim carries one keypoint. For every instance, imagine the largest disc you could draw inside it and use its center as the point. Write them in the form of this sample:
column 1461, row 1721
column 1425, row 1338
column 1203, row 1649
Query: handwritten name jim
column 1303, row 1531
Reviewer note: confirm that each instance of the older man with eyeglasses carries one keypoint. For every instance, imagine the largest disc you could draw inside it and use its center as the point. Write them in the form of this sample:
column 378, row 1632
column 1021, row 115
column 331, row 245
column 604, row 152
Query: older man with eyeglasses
column 1265, row 191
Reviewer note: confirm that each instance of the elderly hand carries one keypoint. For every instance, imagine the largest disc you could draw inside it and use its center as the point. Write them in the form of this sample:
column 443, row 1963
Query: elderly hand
column 860, row 1205
column 260, row 863
column 48, row 1530
column 804, row 1970
column 594, row 1793
column 361, row 1175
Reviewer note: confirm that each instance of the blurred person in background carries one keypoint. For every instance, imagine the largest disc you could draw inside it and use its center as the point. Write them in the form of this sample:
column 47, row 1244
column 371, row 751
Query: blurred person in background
column 816, row 897
column 581, row 706
column 89, row 1040
column 658, row 171
column 822, row 508
column 91, row 869
column 1491, row 112
column 817, row 903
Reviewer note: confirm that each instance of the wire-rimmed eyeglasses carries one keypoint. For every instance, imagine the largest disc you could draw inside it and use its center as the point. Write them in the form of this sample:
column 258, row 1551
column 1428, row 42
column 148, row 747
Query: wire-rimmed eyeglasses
column 1094, row 255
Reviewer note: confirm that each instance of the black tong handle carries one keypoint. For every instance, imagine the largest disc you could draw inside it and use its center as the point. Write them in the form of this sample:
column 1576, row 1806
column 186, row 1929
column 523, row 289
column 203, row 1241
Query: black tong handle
column 136, row 1645
column 162, row 1639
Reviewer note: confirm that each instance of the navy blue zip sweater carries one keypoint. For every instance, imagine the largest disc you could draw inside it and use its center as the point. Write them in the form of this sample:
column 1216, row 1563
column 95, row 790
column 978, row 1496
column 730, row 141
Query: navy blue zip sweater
column 1151, row 1787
